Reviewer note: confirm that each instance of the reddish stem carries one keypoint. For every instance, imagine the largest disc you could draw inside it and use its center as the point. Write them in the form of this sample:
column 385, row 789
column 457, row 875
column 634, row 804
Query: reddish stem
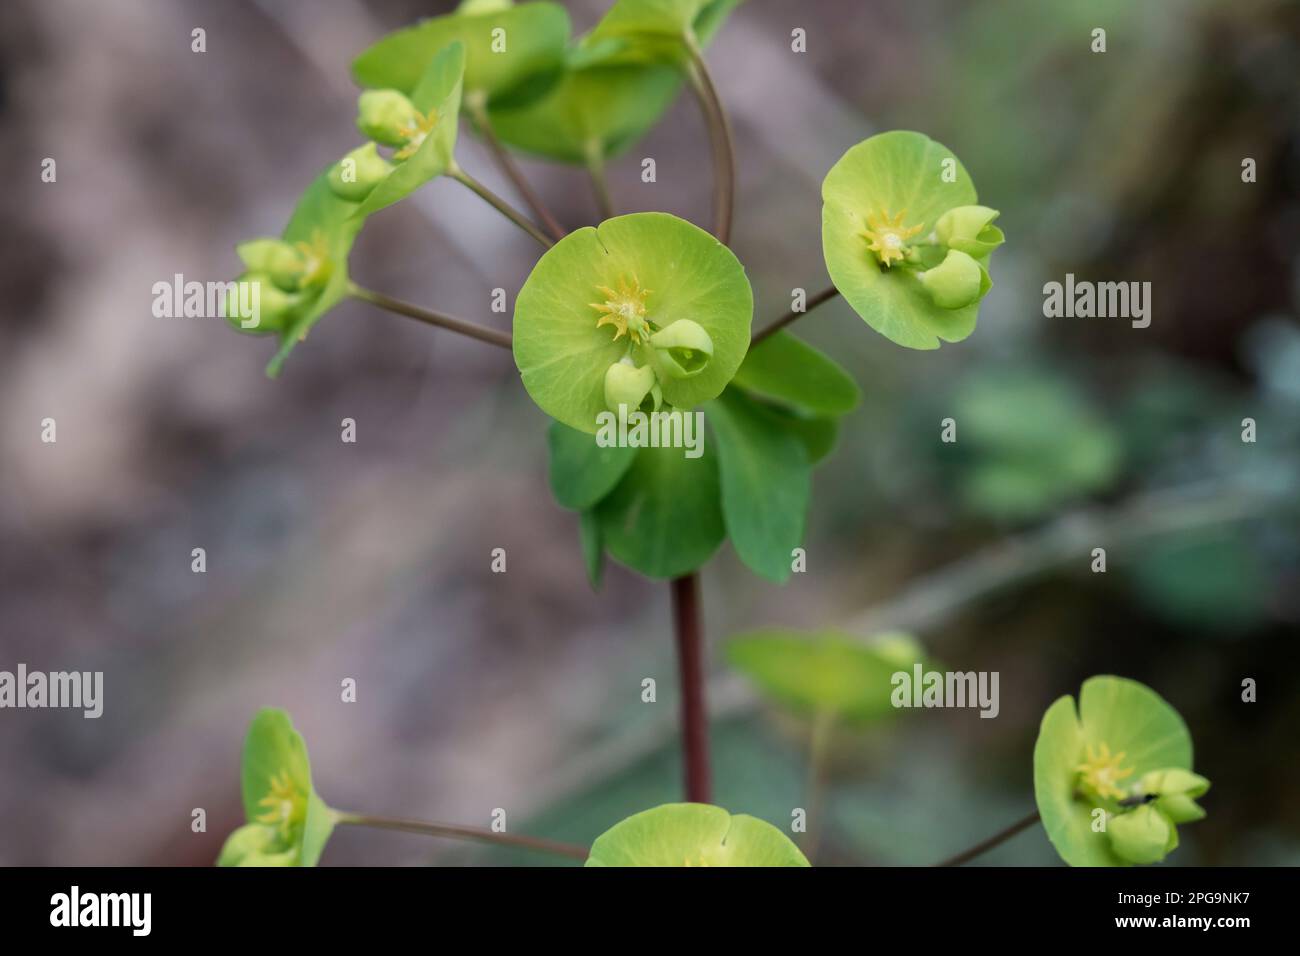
column 690, row 659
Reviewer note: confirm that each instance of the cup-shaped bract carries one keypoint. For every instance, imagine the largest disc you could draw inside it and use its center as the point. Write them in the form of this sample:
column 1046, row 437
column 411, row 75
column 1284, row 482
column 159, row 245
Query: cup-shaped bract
column 969, row 229
column 693, row 834
column 385, row 116
column 880, row 204
column 506, row 47
column 356, row 175
column 288, row 824
column 431, row 142
column 956, row 282
column 1088, row 765
column 601, row 293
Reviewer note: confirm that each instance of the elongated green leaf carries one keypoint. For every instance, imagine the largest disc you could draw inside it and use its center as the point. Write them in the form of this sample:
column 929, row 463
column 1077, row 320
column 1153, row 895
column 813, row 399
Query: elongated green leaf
column 693, row 834
column 766, row 480
column 664, row 519
column 782, row 367
column 323, row 222
column 581, row 471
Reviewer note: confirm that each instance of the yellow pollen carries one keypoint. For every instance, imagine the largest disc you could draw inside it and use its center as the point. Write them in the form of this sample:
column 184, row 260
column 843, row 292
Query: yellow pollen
column 887, row 237
column 1101, row 772
column 624, row 310
column 415, row 135
column 315, row 258
column 285, row 805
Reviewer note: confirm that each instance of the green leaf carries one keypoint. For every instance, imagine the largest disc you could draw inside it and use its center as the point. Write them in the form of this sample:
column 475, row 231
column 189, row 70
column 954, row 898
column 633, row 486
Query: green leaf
column 893, row 173
column 818, row 434
column 581, row 471
column 438, row 92
column 562, row 354
column 612, row 91
column 535, row 35
column 827, row 672
column 324, row 222
column 783, row 368
column 288, row 823
column 693, row 834
column 1033, row 443
column 1126, row 717
column 664, row 518
column 766, row 481
column 593, row 547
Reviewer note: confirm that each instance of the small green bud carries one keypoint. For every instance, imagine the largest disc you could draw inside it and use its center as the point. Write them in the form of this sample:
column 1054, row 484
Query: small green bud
column 625, row 384
column 956, row 282
column 357, row 173
column 258, row 306
column 254, row 844
column 386, row 116
column 970, row 229
column 684, row 348
column 1176, row 791
column 274, row 257
column 1143, row 835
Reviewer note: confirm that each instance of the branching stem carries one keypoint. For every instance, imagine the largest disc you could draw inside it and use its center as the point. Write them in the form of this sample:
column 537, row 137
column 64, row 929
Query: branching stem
column 483, row 123
column 456, row 831
column 985, row 845
column 499, row 204
column 720, row 140
column 821, row 297
column 429, row 317
column 687, row 626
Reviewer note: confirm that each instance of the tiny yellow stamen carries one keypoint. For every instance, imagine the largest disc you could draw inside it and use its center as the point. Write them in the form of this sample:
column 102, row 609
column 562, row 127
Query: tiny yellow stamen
column 887, row 237
column 285, row 805
column 1101, row 772
column 415, row 135
column 624, row 310
column 315, row 259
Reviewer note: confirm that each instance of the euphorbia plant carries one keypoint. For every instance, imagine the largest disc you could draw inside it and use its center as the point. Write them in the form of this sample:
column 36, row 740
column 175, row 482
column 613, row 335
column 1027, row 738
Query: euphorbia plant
column 650, row 314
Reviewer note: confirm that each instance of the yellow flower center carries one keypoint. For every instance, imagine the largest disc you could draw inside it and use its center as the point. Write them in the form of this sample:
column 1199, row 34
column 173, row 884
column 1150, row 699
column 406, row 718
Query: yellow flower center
column 1101, row 772
column 887, row 237
column 624, row 310
column 285, row 805
column 416, row 135
column 315, row 259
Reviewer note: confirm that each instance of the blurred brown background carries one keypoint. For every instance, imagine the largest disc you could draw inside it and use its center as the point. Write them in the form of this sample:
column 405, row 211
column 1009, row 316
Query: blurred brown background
column 522, row 691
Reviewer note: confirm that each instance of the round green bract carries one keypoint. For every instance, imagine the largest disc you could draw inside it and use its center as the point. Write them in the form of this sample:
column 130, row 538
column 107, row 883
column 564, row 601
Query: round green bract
column 693, row 834
column 535, row 37
column 1125, row 716
column 827, row 673
column 893, row 172
column 563, row 356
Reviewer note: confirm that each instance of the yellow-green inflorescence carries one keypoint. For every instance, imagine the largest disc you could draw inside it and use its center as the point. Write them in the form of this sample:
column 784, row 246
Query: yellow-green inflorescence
column 280, row 277
column 679, row 349
column 1141, row 823
column 386, row 118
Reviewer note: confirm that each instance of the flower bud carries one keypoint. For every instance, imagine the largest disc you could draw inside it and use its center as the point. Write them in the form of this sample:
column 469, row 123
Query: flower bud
column 625, row 384
column 257, row 305
column 254, row 844
column 956, row 282
column 1176, row 791
column 274, row 257
column 969, row 229
column 382, row 115
column 357, row 173
column 1143, row 835
column 683, row 348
